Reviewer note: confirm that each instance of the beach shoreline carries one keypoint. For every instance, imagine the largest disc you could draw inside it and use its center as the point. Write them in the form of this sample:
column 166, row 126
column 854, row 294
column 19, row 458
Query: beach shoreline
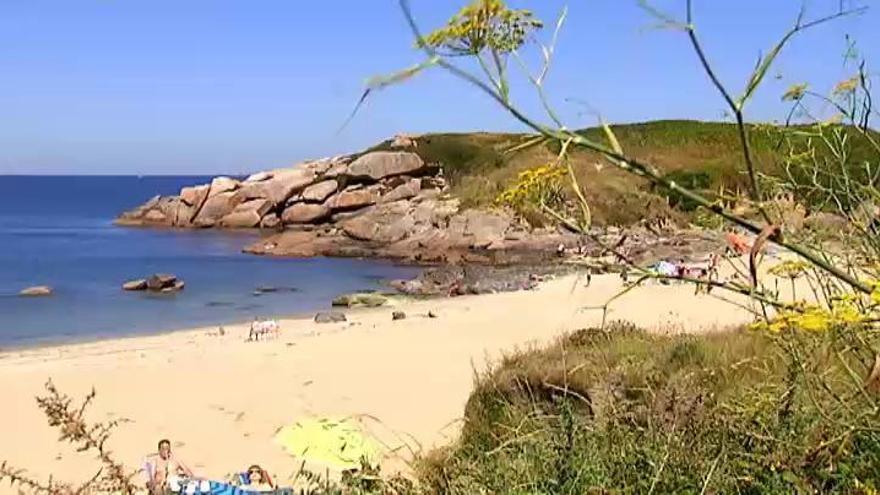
column 221, row 399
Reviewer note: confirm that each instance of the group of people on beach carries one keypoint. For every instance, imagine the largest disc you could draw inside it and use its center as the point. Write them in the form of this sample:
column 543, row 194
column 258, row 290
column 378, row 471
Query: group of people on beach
column 166, row 473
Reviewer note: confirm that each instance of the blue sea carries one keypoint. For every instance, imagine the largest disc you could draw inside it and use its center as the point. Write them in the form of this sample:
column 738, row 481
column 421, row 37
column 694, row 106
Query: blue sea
column 59, row 231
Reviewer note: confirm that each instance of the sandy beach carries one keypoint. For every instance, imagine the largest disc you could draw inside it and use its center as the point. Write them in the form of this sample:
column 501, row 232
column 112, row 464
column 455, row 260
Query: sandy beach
column 221, row 399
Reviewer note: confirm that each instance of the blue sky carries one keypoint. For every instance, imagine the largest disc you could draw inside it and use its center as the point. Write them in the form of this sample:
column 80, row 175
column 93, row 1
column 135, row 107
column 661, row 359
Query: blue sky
column 211, row 86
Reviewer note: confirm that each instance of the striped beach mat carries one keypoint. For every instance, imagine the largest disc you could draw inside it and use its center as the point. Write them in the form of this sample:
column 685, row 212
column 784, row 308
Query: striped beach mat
column 218, row 488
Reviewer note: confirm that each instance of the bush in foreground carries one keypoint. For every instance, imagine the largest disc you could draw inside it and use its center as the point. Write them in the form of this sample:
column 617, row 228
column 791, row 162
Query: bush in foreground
column 625, row 411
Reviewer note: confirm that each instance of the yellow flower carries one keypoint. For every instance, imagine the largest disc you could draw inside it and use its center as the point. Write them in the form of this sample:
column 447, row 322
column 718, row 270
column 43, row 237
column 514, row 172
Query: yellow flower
column 795, row 92
column 790, row 269
column 847, row 86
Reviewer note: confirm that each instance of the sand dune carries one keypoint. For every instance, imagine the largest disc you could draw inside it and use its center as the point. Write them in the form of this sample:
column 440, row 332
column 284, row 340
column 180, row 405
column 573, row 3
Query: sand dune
column 221, row 399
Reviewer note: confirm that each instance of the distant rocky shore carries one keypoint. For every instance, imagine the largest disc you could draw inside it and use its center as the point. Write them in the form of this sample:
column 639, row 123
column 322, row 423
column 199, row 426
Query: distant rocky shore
column 381, row 204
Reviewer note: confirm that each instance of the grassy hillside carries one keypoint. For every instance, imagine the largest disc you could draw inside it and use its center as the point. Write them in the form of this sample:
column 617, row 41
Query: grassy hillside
column 702, row 154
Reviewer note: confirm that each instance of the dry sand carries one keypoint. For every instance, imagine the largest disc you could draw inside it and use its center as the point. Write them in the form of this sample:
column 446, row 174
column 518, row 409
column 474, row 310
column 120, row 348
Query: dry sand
column 221, row 399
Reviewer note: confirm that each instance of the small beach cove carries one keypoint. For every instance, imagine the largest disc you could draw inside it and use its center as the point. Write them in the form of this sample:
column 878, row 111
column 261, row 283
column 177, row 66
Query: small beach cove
column 221, row 399
column 58, row 231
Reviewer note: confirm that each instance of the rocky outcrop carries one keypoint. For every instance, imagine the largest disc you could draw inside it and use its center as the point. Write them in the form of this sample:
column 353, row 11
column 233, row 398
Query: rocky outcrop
column 389, row 204
column 304, row 194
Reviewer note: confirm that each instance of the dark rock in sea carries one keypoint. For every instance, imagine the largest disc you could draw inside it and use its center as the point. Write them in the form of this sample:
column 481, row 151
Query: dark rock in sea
column 139, row 284
column 36, row 291
column 269, row 289
column 330, row 317
column 398, row 315
column 218, row 304
column 177, row 286
column 161, row 281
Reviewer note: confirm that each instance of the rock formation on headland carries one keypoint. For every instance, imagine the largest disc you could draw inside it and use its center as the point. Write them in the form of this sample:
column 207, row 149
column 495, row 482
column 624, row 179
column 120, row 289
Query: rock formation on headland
column 389, row 204
column 381, row 203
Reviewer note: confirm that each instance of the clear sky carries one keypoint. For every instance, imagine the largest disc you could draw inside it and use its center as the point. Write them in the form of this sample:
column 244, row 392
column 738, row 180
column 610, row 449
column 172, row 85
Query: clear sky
column 230, row 86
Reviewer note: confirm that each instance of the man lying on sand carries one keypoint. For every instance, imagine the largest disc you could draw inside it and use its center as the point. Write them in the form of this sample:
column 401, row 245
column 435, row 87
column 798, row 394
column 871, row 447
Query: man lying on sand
column 164, row 467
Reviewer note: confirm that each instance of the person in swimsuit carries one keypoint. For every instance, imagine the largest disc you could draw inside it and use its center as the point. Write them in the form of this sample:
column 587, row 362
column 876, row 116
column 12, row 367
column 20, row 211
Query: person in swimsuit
column 164, row 467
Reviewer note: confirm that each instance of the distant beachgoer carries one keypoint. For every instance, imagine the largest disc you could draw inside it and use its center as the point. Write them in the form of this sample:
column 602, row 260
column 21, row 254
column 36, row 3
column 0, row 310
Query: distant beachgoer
column 737, row 243
column 165, row 467
column 589, row 276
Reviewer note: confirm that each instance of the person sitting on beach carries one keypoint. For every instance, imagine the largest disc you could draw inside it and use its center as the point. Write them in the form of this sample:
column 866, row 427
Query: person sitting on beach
column 256, row 479
column 165, row 467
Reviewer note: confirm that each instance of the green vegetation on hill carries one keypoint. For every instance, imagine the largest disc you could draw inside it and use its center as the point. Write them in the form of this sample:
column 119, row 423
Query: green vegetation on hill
column 706, row 155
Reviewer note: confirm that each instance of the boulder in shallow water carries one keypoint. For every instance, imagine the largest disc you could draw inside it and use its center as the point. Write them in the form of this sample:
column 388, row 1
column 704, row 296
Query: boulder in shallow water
column 161, row 281
column 139, row 284
column 330, row 317
column 398, row 315
column 36, row 291
column 177, row 286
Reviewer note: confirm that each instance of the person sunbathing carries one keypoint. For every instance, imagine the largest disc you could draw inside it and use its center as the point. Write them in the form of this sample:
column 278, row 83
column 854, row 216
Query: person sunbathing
column 165, row 467
column 258, row 480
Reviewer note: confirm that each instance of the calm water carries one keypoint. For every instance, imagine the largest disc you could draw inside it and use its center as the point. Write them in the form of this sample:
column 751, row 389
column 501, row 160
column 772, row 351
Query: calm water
column 58, row 231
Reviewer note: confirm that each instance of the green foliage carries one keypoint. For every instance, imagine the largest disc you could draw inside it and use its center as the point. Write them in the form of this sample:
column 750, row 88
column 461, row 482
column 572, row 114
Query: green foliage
column 695, row 180
column 622, row 411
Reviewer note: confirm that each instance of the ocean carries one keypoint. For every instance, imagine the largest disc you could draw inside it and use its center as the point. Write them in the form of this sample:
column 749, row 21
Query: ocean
column 59, row 231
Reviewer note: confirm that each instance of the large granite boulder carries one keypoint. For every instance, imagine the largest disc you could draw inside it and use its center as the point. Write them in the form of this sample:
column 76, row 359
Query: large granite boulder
column 246, row 215
column 385, row 223
column 258, row 177
column 381, row 164
column 216, row 207
column 194, row 195
column 318, row 193
column 278, row 189
column 222, row 185
column 354, row 198
column 487, row 227
column 271, row 221
column 405, row 190
column 300, row 213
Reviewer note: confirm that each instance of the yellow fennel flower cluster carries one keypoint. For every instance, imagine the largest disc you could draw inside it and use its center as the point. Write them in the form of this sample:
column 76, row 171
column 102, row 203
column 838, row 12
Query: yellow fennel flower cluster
column 533, row 187
column 790, row 269
column 844, row 311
